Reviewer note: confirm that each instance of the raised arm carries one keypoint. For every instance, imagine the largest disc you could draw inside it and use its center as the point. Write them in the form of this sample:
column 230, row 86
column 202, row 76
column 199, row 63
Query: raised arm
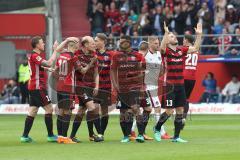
column 64, row 43
column 198, row 40
column 49, row 62
column 164, row 42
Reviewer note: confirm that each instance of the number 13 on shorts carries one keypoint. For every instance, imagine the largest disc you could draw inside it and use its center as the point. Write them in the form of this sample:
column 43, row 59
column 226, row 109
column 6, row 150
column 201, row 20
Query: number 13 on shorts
column 169, row 103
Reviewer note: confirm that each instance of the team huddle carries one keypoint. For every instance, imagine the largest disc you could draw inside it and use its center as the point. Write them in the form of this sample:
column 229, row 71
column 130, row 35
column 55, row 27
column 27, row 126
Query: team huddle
column 158, row 75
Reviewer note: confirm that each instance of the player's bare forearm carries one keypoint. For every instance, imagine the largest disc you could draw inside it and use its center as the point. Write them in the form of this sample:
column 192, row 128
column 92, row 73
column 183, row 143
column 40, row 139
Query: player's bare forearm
column 164, row 42
column 62, row 45
column 49, row 63
column 96, row 77
column 114, row 78
column 198, row 40
column 163, row 45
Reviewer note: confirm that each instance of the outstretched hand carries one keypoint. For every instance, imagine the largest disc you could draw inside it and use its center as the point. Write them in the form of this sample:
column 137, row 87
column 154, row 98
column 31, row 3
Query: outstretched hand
column 198, row 30
column 166, row 28
column 55, row 45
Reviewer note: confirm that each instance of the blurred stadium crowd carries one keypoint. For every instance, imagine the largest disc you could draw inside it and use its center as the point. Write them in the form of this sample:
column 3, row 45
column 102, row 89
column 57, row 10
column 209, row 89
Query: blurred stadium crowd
column 146, row 17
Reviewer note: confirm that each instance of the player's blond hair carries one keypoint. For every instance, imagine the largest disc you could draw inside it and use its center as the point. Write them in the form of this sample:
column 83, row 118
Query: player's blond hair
column 72, row 44
column 152, row 38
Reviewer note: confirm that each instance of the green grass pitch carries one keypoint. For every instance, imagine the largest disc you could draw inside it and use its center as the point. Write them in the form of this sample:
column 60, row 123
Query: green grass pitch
column 211, row 137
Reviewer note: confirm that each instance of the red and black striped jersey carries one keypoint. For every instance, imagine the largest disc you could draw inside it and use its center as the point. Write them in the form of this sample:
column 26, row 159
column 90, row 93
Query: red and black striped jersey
column 129, row 67
column 174, row 63
column 87, row 79
column 38, row 76
column 104, row 64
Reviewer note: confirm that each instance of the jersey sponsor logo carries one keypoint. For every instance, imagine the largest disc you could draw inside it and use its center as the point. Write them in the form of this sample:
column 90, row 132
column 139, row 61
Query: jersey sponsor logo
column 127, row 66
column 133, row 58
column 177, row 60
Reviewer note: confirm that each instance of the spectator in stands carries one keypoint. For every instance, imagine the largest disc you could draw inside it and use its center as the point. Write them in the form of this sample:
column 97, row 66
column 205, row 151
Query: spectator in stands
column 231, row 14
column 10, row 93
column 136, row 40
column 133, row 16
column 128, row 28
column 123, row 19
column 23, row 76
column 112, row 17
column 224, row 42
column 210, row 85
column 111, row 44
column 234, row 51
column 125, row 5
column 205, row 17
column 218, row 28
column 219, row 10
column 191, row 15
column 230, row 93
column 97, row 19
column 143, row 17
column 92, row 4
column 179, row 18
column 157, row 19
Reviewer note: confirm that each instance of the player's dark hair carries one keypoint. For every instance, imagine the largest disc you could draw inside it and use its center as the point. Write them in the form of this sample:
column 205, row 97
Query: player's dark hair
column 126, row 37
column 234, row 76
column 102, row 36
column 211, row 74
column 143, row 46
column 189, row 38
column 35, row 40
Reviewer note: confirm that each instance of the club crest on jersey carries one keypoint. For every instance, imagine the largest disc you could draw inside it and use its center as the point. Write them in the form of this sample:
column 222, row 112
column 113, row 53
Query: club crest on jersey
column 180, row 53
column 106, row 58
column 39, row 58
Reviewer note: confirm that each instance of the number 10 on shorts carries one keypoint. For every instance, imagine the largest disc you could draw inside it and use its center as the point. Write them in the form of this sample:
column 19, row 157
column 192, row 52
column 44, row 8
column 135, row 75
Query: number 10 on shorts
column 169, row 103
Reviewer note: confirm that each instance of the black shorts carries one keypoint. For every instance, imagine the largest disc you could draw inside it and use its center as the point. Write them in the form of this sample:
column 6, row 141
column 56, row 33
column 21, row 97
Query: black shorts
column 189, row 85
column 129, row 99
column 64, row 100
column 85, row 94
column 38, row 98
column 145, row 101
column 103, row 98
column 175, row 97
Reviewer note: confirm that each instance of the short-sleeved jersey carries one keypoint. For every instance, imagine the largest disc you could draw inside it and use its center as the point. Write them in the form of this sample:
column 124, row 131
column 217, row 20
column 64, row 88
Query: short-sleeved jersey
column 129, row 66
column 190, row 66
column 104, row 64
column 174, row 63
column 37, row 75
column 66, row 65
column 153, row 68
column 87, row 79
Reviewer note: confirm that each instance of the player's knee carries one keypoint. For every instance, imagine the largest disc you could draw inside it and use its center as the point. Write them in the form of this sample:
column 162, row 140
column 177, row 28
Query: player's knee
column 90, row 106
column 148, row 109
column 33, row 111
column 48, row 109
column 135, row 110
column 81, row 111
column 169, row 111
column 179, row 110
column 104, row 111
column 60, row 112
column 67, row 112
column 157, row 110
